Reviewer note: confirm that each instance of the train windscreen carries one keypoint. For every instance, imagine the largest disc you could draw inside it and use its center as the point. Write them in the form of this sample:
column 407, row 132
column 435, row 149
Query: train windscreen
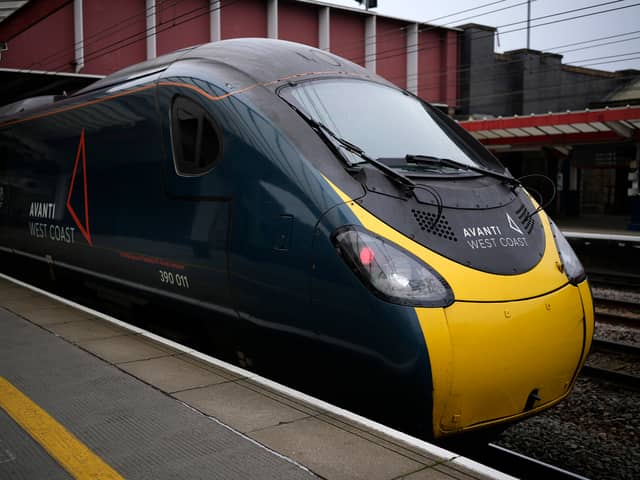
column 386, row 122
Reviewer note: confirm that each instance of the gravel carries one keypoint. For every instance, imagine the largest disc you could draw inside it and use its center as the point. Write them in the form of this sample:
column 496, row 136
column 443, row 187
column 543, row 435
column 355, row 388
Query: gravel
column 595, row 433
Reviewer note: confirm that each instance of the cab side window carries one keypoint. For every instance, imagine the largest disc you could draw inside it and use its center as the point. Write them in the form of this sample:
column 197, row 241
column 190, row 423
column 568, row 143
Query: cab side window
column 196, row 138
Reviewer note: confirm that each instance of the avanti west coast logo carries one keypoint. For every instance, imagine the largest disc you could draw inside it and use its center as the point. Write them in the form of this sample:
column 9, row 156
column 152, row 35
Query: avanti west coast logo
column 513, row 225
column 491, row 236
column 77, row 195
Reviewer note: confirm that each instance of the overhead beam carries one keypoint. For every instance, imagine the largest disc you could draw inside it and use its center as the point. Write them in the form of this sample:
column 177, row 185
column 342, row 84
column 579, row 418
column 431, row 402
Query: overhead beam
column 587, row 116
column 549, row 140
column 11, row 5
column 7, row 8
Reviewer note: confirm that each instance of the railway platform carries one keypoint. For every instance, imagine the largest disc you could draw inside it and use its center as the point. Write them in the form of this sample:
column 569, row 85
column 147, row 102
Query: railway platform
column 83, row 395
column 604, row 247
column 598, row 228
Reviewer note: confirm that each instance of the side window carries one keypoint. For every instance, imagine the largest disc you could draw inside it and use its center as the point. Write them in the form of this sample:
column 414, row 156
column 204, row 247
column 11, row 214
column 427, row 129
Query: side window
column 196, row 138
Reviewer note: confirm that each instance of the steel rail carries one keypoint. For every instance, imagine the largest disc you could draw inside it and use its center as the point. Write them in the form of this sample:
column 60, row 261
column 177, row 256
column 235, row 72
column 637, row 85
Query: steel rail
column 617, row 377
column 618, row 320
column 608, row 278
column 616, row 347
column 612, row 376
column 517, row 464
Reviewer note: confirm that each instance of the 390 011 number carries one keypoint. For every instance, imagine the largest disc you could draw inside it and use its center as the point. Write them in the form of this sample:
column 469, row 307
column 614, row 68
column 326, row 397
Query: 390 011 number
column 176, row 279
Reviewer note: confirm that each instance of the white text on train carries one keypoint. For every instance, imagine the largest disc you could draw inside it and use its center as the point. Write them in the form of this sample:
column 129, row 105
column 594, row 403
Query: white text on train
column 480, row 243
column 481, row 231
column 49, row 231
column 42, row 210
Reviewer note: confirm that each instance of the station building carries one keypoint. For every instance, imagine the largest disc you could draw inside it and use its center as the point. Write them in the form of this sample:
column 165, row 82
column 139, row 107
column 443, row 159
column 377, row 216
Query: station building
column 64, row 43
column 571, row 129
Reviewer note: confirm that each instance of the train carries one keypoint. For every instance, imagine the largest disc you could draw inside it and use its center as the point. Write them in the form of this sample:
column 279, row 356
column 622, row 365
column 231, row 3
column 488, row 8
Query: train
column 313, row 217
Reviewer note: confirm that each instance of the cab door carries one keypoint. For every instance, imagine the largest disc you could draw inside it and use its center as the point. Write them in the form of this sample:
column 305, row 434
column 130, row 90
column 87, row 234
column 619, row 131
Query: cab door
column 197, row 185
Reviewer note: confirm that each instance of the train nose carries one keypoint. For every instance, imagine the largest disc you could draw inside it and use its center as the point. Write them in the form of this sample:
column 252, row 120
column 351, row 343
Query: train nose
column 494, row 362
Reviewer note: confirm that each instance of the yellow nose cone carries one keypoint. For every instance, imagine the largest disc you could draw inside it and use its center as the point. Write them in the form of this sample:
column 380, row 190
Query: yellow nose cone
column 495, row 362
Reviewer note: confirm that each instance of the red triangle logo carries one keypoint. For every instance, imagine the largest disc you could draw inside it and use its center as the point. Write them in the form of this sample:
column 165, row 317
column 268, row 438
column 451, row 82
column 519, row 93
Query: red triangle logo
column 83, row 227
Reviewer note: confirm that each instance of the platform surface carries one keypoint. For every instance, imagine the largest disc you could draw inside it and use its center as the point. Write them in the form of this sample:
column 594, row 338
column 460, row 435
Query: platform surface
column 598, row 227
column 144, row 410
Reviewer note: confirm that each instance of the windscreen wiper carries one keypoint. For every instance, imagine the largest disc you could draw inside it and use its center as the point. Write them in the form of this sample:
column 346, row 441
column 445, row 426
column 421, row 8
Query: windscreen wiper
column 448, row 162
column 350, row 147
column 327, row 133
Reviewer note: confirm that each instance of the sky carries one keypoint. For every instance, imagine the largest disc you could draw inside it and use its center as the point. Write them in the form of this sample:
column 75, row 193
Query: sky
column 587, row 34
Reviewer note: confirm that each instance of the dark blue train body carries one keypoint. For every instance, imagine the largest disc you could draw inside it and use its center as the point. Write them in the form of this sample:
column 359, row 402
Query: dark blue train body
column 200, row 180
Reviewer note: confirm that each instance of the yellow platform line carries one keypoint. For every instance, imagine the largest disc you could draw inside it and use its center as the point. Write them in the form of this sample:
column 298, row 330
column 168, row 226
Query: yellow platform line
column 73, row 455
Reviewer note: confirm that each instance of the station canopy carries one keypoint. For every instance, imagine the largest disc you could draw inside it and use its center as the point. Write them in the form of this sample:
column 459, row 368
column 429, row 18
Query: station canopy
column 18, row 84
column 568, row 128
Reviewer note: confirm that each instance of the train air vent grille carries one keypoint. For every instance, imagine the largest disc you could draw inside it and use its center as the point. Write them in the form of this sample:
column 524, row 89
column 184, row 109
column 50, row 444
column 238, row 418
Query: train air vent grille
column 430, row 223
column 527, row 220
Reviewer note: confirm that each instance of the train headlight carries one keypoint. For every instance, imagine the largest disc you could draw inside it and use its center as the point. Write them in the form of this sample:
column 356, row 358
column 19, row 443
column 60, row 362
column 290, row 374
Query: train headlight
column 390, row 271
column 570, row 262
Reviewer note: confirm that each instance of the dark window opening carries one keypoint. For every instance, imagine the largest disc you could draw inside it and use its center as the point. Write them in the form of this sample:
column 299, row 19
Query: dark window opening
column 195, row 136
column 210, row 146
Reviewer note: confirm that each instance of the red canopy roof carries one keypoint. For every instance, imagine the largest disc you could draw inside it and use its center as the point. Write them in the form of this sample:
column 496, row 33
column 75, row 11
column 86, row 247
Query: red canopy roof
column 569, row 128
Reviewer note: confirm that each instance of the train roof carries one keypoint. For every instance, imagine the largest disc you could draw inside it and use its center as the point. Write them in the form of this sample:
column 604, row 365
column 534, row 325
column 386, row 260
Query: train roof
column 261, row 59
column 265, row 61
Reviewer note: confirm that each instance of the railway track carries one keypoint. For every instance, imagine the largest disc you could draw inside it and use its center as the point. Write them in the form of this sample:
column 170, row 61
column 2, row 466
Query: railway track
column 617, row 316
column 615, row 363
column 517, row 464
column 613, row 279
column 616, row 304
column 616, row 348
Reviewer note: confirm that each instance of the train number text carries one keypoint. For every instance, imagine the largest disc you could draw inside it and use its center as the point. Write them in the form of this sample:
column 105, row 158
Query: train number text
column 171, row 278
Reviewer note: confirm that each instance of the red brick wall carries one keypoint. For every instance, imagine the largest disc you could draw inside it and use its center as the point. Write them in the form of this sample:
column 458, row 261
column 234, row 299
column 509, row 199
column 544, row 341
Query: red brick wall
column 40, row 37
column 247, row 18
column 429, row 65
column 181, row 24
column 298, row 22
column 438, row 66
column 451, row 68
column 391, row 55
column 114, row 34
column 347, row 35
